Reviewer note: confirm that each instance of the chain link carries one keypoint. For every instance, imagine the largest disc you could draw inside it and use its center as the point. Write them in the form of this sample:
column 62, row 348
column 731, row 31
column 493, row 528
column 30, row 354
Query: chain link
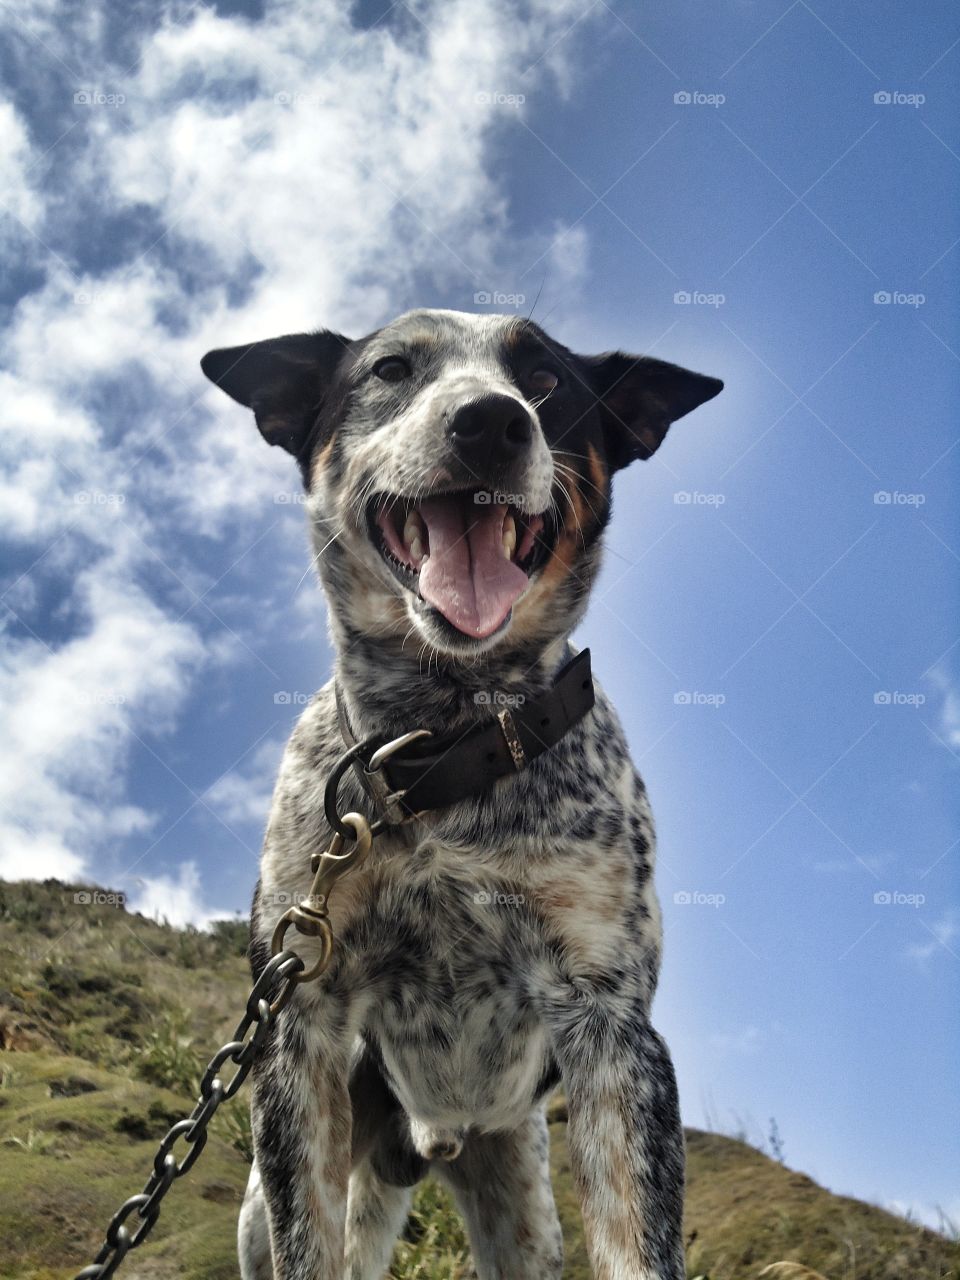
column 285, row 968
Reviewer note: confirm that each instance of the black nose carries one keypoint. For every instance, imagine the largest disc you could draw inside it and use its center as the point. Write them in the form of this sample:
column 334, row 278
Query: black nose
column 493, row 428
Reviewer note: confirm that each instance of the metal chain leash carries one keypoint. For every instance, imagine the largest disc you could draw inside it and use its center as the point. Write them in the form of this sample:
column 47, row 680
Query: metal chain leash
column 310, row 918
column 285, row 967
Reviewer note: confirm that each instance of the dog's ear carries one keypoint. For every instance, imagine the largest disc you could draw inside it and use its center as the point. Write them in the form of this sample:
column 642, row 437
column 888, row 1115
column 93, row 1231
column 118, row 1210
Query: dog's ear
column 282, row 380
column 639, row 397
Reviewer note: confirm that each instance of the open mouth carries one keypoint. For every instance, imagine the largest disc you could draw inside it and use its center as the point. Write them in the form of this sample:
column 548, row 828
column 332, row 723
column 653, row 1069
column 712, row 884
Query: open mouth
column 466, row 555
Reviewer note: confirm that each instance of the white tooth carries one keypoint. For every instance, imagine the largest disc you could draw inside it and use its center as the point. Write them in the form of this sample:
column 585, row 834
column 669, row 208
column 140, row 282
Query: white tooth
column 509, row 537
column 415, row 547
column 413, row 528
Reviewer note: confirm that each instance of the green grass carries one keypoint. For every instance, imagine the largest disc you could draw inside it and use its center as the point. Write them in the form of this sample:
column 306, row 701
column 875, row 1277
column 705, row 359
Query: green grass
column 434, row 1244
column 97, row 1146
column 109, row 1019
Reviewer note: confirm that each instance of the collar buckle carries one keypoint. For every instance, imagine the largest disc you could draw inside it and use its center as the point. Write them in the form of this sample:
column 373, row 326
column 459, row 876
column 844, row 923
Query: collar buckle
column 509, row 728
column 391, row 748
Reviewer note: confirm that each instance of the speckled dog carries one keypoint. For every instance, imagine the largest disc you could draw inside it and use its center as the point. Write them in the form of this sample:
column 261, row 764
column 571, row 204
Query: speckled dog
column 457, row 470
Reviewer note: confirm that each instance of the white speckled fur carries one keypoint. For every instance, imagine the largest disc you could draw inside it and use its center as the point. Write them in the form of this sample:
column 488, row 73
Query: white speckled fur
column 493, row 947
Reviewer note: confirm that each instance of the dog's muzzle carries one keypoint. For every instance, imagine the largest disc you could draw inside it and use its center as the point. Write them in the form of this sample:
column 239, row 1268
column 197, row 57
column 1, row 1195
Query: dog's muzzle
column 489, row 432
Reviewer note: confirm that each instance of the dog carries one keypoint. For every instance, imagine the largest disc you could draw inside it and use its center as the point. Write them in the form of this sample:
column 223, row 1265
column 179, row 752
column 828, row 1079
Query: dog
column 503, row 936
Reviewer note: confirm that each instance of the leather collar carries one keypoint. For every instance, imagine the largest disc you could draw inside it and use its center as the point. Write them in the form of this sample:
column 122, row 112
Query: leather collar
column 436, row 771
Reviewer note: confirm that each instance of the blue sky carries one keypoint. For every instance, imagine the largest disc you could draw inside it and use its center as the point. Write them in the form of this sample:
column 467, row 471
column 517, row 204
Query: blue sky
column 777, row 616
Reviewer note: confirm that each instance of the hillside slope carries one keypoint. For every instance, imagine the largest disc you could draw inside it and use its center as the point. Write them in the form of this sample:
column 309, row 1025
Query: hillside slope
column 105, row 1021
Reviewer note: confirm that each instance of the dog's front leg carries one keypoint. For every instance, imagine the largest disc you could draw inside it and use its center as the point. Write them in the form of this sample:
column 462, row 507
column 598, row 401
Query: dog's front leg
column 624, row 1135
column 301, row 1128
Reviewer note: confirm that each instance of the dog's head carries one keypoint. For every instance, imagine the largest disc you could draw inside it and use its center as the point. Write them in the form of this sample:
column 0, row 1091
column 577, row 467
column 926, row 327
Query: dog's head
column 458, row 467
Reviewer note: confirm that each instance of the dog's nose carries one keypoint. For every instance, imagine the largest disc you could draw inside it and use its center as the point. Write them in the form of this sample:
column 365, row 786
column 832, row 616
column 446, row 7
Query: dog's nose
column 490, row 429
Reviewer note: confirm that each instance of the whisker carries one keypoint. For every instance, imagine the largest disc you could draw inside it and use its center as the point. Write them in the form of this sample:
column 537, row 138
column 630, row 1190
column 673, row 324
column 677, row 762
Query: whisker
column 537, row 298
column 536, row 403
column 583, row 478
column 573, row 509
column 573, row 477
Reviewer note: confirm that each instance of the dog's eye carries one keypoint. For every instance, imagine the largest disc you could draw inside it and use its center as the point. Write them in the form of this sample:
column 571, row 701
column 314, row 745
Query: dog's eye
column 392, row 369
column 543, row 381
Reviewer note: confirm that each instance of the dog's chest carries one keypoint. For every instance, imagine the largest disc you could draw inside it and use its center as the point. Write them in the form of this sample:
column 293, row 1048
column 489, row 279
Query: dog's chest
column 460, row 1042
column 453, row 936
column 443, row 964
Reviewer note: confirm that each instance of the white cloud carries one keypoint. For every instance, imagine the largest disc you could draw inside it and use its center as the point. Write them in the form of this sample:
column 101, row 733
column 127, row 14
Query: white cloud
column 350, row 162
column 243, row 795
column 286, row 173
column 69, row 715
column 21, row 204
column 941, row 937
column 949, row 707
column 176, row 899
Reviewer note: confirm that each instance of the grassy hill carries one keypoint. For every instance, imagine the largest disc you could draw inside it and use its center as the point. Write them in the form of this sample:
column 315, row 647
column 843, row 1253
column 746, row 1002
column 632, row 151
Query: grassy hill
column 106, row 1019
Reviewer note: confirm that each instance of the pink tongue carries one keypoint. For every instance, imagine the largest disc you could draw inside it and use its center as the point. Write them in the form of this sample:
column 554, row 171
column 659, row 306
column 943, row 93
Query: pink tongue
column 466, row 575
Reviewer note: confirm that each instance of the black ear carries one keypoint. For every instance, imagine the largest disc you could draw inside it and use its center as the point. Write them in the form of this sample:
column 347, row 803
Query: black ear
column 282, row 380
column 639, row 397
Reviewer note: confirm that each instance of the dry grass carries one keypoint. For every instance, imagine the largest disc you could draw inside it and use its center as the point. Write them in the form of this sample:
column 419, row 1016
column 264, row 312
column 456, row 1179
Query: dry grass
column 107, row 1020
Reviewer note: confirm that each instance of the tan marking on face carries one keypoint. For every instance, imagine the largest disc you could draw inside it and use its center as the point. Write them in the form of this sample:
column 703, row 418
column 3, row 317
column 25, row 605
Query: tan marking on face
column 514, row 333
column 598, row 474
column 578, row 518
column 423, row 338
column 375, row 610
column 528, row 611
column 322, row 456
